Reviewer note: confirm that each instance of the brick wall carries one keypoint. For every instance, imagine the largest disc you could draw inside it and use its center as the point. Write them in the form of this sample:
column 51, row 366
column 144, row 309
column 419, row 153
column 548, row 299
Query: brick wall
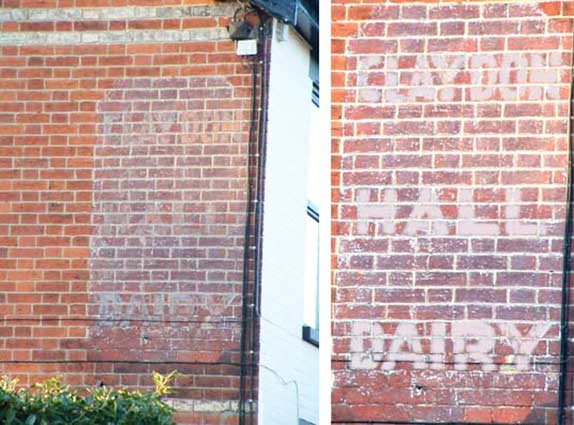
column 449, row 149
column 123, row 142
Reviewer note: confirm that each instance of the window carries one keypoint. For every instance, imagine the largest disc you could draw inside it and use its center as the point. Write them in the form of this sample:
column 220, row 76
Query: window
column 311, row 319
column 314, row 76
column 311, row 295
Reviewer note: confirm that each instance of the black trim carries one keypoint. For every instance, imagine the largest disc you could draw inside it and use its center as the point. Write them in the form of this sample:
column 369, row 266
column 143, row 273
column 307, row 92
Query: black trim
column 315, row 93
column 303, row 15
column 566, row 267
column 307, row 21
column 311, row 335
column 284, row 10
column 313, row 212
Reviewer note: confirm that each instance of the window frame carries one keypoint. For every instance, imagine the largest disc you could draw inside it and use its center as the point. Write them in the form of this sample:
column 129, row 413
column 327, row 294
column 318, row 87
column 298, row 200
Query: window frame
column 311, row 333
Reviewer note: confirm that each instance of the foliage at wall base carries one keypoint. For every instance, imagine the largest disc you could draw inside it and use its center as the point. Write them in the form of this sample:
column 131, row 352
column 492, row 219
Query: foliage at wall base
column 51, row 403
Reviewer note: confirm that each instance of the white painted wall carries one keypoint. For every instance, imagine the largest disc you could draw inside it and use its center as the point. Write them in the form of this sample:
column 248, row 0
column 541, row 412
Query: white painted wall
column 289, row 373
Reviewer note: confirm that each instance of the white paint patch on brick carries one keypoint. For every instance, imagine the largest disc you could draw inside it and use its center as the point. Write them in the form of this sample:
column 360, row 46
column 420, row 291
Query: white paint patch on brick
column 488, row 77
column 483, row 81
column 362, row 357
column 405, row 346
column 449, row 67
column 468, row 225
column 385, row 211
column 517, row 63
column 524, row 345
column 514, row 225
column 438, row 346
column 473, row 342
column 157, row 234
column 427, row 218
column 121, row 308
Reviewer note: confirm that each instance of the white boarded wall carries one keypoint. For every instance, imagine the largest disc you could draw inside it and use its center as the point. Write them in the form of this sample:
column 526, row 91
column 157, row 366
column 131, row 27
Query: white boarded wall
column 289, row 366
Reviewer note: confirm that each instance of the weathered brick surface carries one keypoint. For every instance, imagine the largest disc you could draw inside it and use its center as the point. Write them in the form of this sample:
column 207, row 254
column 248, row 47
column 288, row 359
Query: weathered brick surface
column 56, row 4
column 449, row 166
column 122, row 189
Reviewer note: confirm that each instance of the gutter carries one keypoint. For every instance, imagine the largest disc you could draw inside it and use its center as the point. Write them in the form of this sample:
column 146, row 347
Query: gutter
column 303, row 15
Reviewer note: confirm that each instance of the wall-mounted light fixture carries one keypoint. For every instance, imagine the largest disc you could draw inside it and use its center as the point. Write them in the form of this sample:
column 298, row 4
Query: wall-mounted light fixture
column 243, row 30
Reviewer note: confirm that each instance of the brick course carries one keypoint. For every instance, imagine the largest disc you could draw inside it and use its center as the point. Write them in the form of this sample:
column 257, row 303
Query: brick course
column 449, row 163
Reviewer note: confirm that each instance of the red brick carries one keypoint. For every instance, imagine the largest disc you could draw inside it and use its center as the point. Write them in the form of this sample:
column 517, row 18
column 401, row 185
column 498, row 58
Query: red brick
column 52, row 108
column 450, row 141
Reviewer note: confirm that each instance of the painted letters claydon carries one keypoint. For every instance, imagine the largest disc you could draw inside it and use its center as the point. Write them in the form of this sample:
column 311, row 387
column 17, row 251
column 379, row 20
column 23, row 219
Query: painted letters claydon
column 473, row 341
column 534, row 77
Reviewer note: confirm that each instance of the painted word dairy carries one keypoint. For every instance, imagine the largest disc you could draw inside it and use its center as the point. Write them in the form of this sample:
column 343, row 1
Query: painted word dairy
column 471, row 342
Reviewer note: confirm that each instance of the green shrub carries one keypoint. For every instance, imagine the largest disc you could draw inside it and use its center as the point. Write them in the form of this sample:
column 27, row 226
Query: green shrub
column 52, row 403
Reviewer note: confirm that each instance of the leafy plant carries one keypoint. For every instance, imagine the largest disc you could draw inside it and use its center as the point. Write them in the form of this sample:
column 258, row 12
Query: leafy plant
column 162, row 382
column 52, row 403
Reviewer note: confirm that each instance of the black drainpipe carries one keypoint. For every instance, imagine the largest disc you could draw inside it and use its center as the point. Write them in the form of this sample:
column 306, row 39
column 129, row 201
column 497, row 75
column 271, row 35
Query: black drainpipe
column 259, row 205
column 246, row 244
column 566, row 262
column 253, row 226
